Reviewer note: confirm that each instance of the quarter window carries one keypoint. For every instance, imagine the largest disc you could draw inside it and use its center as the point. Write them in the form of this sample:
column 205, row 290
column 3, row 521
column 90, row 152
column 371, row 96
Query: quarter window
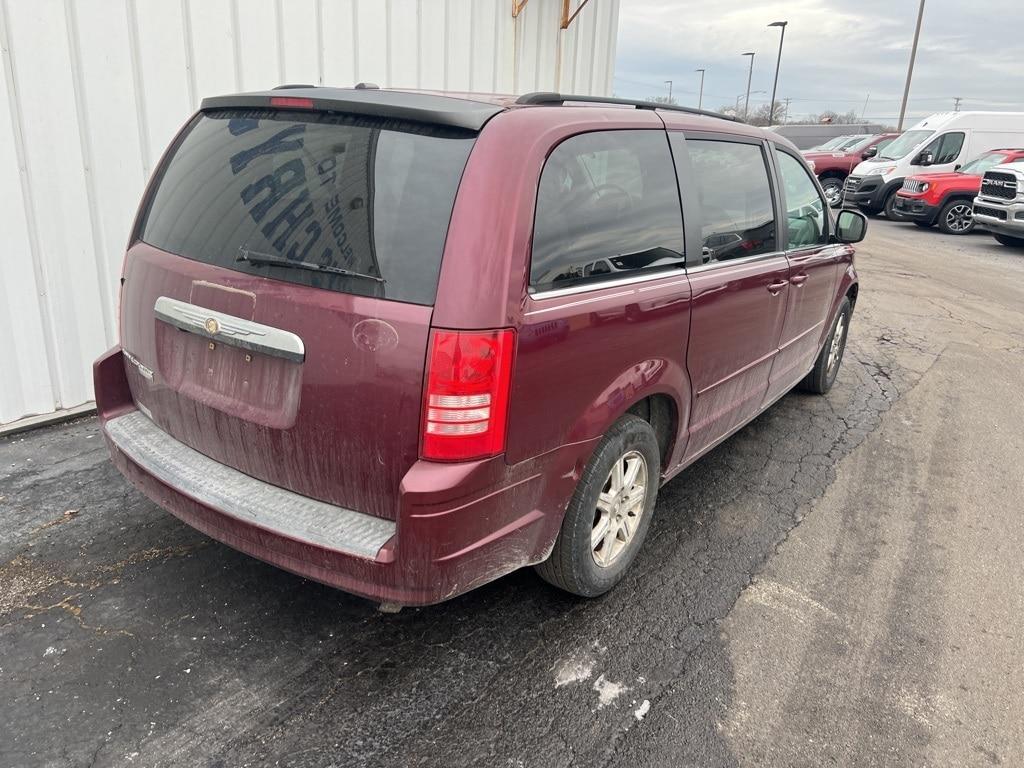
column 738, row 216
column 607, row 206
column 805, row 210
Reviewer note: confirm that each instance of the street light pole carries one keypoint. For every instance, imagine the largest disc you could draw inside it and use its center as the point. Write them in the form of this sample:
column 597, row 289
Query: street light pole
column 910, row 69
column 669, row 91
column 700, row 97
column 778, row 62
column 750, row 75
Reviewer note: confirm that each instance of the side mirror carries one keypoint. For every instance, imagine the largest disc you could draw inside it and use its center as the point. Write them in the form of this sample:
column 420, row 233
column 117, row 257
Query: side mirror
column 925, row 158
column 851, row 226
column 868, row 153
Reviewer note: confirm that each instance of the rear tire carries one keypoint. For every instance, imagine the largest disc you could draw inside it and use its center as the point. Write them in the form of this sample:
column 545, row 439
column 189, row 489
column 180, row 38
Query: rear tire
column 579, row 565
column 956, row 217
column 821, row 378
column 925, row 224
column 1010, row 241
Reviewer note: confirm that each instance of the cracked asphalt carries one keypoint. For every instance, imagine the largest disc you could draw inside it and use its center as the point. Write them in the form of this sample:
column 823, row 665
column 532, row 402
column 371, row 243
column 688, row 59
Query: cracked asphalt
column 839, row 583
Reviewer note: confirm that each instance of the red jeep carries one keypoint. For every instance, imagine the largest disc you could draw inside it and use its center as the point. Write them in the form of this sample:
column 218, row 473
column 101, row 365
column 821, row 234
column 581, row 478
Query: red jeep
column 833, row 166
column 403, row 343
column 947, row 199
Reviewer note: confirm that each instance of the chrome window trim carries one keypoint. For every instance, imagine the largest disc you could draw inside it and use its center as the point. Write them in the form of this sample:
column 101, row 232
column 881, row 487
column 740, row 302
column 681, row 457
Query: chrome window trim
column 230, row 330
column 712, row 265
column 601, row 284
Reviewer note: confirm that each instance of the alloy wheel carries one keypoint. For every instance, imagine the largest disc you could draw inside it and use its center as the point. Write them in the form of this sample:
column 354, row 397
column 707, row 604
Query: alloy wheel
column 833, row 193
column 960, row 218
column 836, row 349
column 620, row 505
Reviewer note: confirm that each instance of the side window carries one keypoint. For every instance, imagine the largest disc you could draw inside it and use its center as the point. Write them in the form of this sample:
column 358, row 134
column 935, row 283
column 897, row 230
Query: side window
column 946, row 147
column 805, row 210
column 607, row 206
column 738, row 216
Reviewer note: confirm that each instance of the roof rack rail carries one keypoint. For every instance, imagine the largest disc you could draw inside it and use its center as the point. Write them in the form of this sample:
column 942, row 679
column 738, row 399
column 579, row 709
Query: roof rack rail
column 547, row 97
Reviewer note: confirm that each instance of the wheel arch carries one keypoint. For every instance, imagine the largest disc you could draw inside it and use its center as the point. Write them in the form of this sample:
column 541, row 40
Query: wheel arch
column 657, row 391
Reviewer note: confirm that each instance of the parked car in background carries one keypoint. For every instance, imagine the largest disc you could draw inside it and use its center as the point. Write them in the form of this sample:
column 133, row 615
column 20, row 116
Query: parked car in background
column 942, row 142
column 999, row 205
column 811, row 135
column 832, row 145
column 947, row 199
column 833, row 165
column 359, row 339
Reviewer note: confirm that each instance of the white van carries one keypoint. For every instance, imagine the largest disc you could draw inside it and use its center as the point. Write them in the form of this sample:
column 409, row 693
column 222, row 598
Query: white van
column 942, row 142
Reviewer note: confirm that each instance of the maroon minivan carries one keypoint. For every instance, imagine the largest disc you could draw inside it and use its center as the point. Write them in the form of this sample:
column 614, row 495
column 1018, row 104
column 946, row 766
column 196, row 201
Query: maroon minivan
column 403, row 343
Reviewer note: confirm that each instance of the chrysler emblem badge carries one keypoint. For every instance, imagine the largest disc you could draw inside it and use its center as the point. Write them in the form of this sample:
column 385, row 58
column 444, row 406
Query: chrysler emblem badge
column 212, row 326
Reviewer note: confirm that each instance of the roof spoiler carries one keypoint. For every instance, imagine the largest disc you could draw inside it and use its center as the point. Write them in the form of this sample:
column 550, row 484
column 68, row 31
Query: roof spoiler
column 366, row 100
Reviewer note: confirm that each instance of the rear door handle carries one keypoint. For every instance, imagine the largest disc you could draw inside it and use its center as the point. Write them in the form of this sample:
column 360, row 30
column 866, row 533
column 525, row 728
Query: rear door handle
column 798, row 279
column 776, row 286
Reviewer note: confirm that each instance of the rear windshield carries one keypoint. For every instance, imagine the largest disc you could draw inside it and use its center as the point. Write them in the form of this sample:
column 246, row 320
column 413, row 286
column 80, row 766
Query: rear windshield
column 279, row 194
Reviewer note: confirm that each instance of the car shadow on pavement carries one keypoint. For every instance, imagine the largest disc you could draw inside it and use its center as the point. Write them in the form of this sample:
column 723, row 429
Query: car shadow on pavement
column 161, row 646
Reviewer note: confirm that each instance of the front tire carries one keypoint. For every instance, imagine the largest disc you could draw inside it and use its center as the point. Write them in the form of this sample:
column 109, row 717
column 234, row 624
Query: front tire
column 821, row 378
column 890, row 208
column 925, row 224
column 607, row 520
column 956, row 217
column 832, row 186
column 1010, row 241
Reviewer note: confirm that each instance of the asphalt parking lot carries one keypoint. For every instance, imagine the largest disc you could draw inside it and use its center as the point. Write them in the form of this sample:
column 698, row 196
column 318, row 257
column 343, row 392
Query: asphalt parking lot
column 839, row 583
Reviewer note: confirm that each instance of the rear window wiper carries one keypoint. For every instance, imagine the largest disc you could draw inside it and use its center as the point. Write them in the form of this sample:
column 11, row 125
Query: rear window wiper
column 254, row 257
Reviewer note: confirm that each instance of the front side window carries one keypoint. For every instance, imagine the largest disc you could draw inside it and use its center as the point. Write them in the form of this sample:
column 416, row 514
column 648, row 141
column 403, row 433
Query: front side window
column 945, row 148
column 738, row 216
column 341, row 202
column 607, row 206
column 805, row 210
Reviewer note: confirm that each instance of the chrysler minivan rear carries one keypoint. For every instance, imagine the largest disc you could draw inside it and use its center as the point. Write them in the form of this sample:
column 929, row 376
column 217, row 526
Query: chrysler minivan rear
column 279, row 384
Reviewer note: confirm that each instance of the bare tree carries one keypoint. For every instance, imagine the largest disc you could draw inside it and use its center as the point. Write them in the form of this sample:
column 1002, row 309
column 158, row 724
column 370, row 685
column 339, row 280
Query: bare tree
column 763, row 115
column 665, row 100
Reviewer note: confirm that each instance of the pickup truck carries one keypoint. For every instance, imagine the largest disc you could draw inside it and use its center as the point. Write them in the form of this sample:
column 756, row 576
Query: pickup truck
column 832, row 167
column 947, row 199
column 999, row 206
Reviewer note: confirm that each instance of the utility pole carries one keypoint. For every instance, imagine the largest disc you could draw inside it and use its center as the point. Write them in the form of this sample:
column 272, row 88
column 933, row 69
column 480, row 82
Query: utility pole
column 786, row 116
column 956, row 103
column 750, row 75
column 700, row 97
column 910, row 69
column 669, row 91
column 778, row 63
column 865, row 110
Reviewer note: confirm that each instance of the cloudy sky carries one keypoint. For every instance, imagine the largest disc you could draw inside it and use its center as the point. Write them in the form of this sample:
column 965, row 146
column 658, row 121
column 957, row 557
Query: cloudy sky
column 837, row 53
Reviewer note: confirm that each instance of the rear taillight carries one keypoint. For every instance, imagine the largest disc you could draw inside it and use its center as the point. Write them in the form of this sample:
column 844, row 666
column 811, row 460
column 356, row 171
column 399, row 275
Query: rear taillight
column 466, row 397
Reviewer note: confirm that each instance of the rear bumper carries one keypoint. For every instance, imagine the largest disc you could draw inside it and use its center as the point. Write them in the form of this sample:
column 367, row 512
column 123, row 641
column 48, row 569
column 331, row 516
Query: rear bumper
column 916, row 209
column 1001, row 217
column 459, row 525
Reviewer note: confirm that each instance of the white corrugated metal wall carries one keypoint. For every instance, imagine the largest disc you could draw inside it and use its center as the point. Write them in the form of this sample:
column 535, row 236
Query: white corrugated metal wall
column 93, row 90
